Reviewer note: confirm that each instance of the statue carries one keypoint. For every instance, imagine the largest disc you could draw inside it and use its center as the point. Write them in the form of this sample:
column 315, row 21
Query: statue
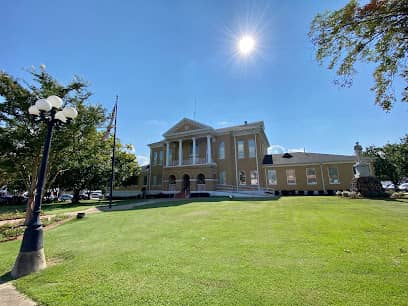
column 358, row 149
column 360, row 168
column 364, row 183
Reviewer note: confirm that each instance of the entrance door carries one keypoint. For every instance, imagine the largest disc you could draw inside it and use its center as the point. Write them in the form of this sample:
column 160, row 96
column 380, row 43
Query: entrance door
column 186, row 183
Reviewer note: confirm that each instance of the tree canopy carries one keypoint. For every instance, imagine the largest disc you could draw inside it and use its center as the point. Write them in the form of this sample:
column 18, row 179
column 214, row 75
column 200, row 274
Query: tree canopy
column 376, row 32
column 77, row 154
column 391, row 161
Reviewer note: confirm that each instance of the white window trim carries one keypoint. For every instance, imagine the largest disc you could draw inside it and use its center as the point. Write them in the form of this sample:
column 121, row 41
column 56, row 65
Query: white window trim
column 338, row 175
column 219, row 150
column 249, row 148
column 276, row 176
column 287, row 181
column 307, row 176
column 239, row 177
column 256, row 177
column 243, row 149
column 155, row 157
column 225, row 178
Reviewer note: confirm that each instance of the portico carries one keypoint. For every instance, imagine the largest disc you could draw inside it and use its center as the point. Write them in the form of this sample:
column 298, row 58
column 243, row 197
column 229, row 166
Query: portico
column 196, row 150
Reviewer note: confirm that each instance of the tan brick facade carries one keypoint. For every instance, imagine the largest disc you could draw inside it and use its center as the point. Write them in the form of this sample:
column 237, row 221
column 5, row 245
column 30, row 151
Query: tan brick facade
column 234, row 163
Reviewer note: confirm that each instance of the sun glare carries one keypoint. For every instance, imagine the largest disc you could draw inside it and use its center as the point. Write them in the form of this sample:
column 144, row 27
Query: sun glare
column 246, row 44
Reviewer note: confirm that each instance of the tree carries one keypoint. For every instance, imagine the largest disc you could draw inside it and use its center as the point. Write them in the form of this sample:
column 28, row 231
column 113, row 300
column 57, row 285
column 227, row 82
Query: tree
column 90, row 167
column 376, row 32
column 21, row 138
column 391, row 161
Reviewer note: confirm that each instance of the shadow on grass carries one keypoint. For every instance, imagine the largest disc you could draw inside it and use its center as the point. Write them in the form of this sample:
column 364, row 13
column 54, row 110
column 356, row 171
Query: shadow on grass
column 160, row 203
column 389, row 200
column 6, row 277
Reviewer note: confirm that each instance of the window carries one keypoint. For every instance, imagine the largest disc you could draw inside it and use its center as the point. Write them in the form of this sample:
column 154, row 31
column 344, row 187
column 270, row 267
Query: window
column 145, row 180
column 242, row 178
column 311, row 176
column 291, row 176
column 159, row 180
column 200, row 179
column 333, row 175
column 161, row 157
column 241, row 152
column 170, row 156
column 154, row 182
column 172, row 179
column 254, row 177
column 221, row 150
column 251, row 147
column 222, row 178
column 154, row 158
column 272, row 180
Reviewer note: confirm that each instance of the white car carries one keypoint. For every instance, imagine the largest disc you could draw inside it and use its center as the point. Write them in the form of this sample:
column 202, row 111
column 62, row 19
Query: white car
column 403, row 187
column 96, row 196
column 66, row 197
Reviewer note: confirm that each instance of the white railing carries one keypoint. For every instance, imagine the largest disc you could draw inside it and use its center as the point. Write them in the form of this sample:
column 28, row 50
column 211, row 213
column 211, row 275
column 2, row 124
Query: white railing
column 173, row 162
column 187, row 162
column 201, row 161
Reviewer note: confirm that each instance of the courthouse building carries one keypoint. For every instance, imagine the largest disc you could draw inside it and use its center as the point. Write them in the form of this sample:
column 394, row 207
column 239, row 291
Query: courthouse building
column 193, row 158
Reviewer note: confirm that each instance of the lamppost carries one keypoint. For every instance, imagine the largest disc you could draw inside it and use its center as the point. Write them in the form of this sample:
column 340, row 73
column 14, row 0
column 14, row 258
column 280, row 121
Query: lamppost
column 31, row 257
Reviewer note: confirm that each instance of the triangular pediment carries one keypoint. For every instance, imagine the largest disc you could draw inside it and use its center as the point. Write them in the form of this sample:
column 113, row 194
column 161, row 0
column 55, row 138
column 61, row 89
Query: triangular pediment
column 185, row 125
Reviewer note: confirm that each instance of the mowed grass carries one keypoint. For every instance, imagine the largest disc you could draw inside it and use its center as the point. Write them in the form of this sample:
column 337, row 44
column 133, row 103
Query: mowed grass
column 289, row 251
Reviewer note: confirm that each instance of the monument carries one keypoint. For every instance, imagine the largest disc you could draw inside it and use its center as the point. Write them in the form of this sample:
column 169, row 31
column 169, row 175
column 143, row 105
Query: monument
column 364, row 181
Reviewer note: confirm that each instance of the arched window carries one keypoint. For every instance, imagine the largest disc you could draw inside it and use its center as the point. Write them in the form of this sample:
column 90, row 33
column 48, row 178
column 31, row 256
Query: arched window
column 200, row 179
column 172, row 179
column 242, row 178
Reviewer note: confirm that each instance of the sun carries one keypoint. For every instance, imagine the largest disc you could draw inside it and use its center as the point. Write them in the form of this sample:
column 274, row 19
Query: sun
column 246, row 45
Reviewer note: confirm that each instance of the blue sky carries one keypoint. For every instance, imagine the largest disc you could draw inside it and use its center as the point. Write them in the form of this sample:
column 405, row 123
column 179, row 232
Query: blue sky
column 161, row 56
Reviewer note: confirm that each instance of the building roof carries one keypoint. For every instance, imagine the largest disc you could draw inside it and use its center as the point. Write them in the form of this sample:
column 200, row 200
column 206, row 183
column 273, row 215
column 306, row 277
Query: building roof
column 190, row 125
column 241, row 127
column 187, row 127
column 305, row 158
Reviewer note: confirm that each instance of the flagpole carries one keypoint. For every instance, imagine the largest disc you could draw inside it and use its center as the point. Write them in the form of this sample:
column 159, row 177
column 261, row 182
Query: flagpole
column 113, row 155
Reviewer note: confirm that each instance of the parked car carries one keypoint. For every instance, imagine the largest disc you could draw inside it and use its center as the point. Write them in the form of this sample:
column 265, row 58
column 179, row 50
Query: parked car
column 403, row 187
column 84, row 196
column 66, row 197
column 389, row 186
column 96, row 196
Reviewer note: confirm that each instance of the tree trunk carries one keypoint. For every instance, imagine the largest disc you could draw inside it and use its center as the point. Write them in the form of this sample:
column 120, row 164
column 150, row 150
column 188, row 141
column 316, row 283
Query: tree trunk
column 31, row 192
column 75, row 199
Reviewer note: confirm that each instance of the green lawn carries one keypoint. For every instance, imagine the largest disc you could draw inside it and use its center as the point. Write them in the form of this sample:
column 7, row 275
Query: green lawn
column 290, row 251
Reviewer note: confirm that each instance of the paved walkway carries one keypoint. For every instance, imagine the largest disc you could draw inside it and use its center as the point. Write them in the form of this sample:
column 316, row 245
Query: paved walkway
column 9, row 296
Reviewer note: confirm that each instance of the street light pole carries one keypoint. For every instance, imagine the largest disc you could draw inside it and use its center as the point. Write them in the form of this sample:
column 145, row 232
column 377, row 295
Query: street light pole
column 31, row 257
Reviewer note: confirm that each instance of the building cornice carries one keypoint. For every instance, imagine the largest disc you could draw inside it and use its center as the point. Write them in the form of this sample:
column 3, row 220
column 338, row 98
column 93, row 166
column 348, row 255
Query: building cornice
column 308, row 164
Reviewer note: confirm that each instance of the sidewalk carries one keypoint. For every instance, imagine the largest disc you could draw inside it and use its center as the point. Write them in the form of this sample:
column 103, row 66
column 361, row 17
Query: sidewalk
column 9, row 296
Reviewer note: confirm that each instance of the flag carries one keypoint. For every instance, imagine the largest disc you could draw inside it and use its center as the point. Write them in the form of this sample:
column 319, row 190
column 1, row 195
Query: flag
column 110, row 125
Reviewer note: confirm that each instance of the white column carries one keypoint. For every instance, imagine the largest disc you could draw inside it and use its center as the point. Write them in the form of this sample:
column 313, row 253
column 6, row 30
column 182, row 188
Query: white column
column 167, row 154
column 209, row 149
column 180, row 151
column 194, row 150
